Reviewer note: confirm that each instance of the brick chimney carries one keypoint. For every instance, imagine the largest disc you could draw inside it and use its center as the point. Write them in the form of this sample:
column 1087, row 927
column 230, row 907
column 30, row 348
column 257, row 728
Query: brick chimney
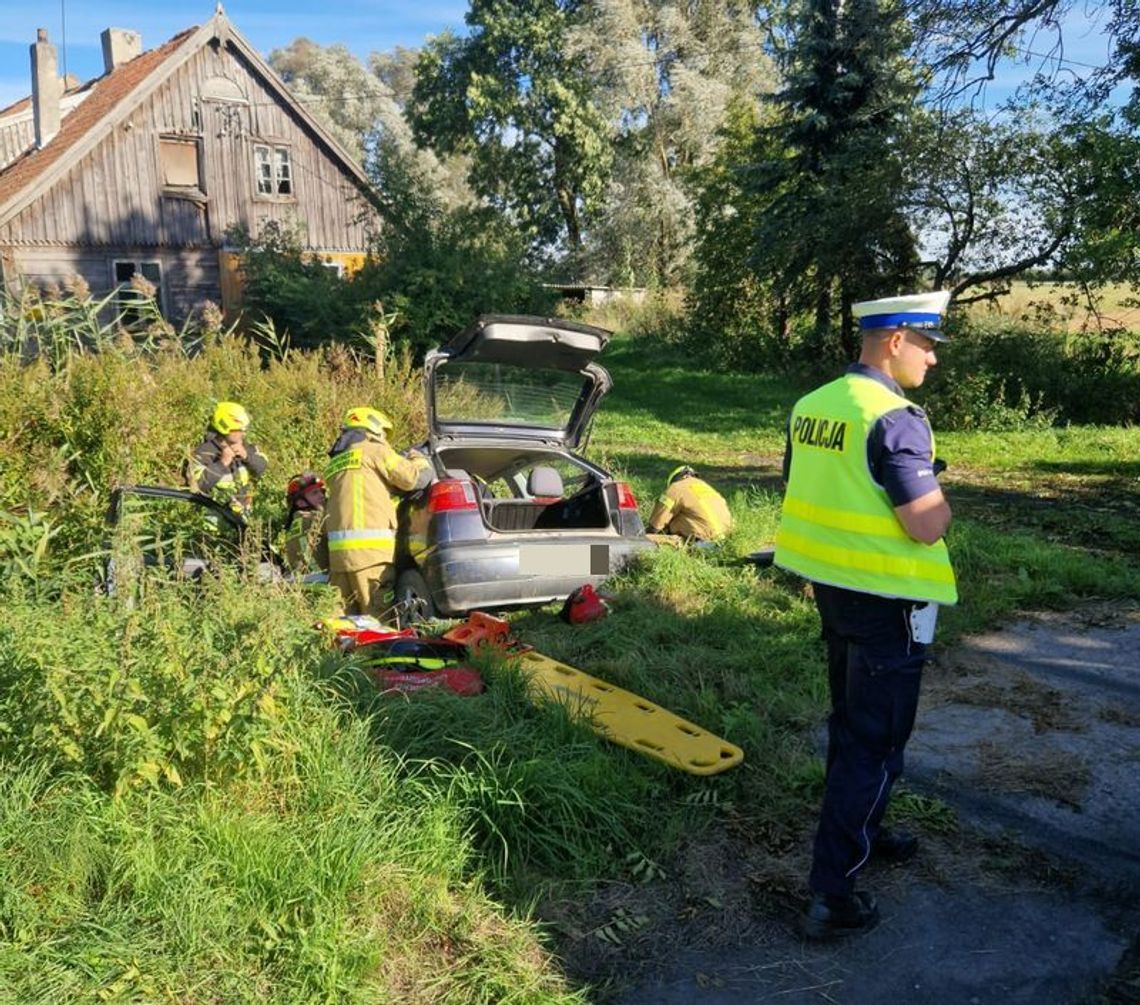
column 46, row 88
column 120, row 45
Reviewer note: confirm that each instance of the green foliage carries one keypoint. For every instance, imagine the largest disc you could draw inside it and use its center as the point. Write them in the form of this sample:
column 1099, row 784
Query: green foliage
column 435, row 271
column 542, row 796
column 829, row 229
column 24, row 540
column 305, row 299
column 510, row 96
column 1004, row 374
column 439, row 268
column 129, row 414
column 183, row 687
column 664, row 74
column 738, row 319
column 335, row 878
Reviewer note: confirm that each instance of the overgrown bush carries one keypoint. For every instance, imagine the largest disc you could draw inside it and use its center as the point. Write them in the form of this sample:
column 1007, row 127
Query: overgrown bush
column 184, row 686
column 307, row 302
column 444, row 272
column 79, row 422
column 431, row 274
column 1004, row 374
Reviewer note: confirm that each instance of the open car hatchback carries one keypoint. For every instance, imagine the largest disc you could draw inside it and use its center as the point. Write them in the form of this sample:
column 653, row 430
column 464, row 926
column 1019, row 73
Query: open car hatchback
column 514, row 516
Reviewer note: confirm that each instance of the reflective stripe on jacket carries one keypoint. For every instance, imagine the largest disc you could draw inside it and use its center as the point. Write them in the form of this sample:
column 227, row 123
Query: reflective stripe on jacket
column 232, row 484
column 360, row 513
column 691, row 507
column 837, row 526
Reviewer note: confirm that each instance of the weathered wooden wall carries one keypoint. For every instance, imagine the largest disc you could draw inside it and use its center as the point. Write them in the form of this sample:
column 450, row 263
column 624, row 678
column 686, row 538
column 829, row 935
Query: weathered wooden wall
column 111, row 203
column 190, row 275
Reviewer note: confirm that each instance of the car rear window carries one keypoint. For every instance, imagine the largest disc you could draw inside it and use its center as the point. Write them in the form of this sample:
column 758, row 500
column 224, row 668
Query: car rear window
column 504, row 394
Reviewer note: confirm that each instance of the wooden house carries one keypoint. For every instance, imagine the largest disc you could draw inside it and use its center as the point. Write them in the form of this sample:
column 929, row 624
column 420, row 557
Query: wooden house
column 145, row 169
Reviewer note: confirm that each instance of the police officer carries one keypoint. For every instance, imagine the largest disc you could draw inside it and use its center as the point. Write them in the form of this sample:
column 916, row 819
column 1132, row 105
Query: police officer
column 360, row 516
column 306, row 543
column 690, row 508
column 863, row 518
column 225, row 465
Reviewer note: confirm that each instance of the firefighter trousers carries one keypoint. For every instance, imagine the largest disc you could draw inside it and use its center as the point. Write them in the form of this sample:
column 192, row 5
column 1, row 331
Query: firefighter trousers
column 368, row 591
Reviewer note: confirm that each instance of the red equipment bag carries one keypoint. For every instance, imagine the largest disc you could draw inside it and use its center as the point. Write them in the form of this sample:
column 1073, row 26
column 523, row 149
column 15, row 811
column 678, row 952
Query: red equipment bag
column 584, row 605
column 408, row 664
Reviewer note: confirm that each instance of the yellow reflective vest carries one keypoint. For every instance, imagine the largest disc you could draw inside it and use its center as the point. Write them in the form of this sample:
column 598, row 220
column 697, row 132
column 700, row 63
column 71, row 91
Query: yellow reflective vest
column 360, row 513
column 837, row 526
column 691, row 507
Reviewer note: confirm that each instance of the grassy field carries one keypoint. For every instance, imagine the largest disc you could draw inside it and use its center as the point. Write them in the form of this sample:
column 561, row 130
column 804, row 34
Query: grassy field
column 1114, row 307
column 199, row 803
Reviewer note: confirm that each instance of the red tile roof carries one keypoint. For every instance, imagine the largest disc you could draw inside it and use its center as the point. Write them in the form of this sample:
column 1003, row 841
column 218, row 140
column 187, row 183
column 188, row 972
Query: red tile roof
column 107, row 91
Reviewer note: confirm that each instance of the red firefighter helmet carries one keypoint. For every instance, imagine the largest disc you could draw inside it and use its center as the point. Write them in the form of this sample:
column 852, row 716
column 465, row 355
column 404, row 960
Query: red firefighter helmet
column 305, row 491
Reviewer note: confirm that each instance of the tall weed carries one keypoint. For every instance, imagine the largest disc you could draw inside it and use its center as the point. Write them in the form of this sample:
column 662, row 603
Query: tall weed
column 185, row 686
column 334, row 879
column 129, row 413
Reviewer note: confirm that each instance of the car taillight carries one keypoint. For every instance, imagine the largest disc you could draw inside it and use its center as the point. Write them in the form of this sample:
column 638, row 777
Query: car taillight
column 451, row 494
column 625, row 497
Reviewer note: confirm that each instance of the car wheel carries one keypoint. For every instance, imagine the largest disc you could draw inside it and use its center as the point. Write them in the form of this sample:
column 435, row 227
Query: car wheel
column 413, row 599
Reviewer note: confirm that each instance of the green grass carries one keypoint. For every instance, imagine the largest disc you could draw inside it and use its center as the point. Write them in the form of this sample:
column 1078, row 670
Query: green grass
column 200, row 803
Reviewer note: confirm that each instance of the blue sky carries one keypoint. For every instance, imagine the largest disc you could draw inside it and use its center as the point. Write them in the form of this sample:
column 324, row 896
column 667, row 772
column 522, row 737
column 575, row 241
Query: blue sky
column 363, row 25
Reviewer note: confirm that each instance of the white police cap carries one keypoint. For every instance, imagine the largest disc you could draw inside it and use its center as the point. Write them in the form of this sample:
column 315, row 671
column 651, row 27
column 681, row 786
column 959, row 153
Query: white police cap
column 921, row 311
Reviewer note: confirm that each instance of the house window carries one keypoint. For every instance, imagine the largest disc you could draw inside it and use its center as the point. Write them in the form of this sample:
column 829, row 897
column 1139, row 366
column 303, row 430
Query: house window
column 179, row 161
column 129, row 298
column 180, row 168
column 274, row 169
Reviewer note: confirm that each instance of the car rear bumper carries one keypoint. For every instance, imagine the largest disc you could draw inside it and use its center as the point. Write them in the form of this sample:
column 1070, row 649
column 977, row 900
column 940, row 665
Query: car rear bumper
column 464, row 576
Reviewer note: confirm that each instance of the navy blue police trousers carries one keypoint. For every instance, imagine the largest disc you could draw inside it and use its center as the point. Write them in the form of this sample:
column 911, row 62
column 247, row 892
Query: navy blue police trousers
column 874, row 673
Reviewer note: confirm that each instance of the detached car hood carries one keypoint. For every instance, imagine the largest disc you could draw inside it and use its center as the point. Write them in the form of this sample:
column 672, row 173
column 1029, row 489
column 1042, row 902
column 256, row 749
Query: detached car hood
column 515, row 376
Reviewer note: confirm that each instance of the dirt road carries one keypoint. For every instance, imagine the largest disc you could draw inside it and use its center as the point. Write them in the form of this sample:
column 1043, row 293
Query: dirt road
column 1032, row 734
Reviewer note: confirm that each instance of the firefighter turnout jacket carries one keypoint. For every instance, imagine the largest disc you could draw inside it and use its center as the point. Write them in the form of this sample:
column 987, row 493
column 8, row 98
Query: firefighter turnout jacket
column 306, row 544
column 691, row 507
column 360, row 515
column 232, row 484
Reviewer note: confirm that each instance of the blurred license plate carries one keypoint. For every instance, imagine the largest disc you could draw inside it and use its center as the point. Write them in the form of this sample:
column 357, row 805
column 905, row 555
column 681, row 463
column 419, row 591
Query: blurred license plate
column 564, row 559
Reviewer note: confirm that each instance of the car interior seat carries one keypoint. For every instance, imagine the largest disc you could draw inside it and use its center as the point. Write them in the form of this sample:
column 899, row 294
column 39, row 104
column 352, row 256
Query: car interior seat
column 544, row 482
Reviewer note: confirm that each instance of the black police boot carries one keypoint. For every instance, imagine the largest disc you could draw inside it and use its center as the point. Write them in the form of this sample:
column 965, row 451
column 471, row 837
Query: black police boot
column 894, row 847
column 829, row 917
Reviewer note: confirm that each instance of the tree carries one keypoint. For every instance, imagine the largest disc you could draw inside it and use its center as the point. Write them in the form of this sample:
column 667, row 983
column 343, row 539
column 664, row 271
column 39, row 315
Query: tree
column 829, row 182
column 993, row 199
column 737, row 317
column 509, row 97
column 664, row 76
column 364, row 110
column 332, row 84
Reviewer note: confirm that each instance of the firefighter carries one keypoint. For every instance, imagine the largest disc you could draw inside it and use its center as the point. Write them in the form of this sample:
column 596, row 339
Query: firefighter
column 863, row 519
column 306, row 541
column 360, row 517
column 225, row 465
column 690, row 508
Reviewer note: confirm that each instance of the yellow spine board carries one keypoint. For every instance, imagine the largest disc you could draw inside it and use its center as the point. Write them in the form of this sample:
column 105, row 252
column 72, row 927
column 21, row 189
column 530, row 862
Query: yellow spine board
column 628, row 719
